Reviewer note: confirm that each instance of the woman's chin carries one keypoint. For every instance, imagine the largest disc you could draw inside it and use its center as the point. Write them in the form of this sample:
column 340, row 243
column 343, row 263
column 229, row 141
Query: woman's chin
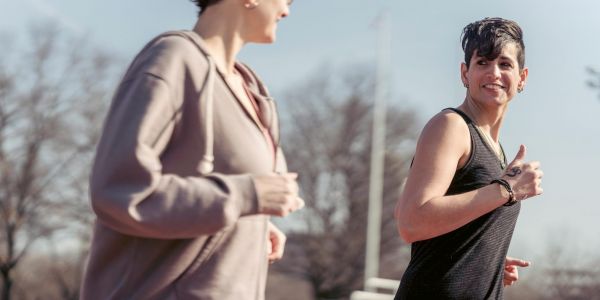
column 267, row 37
column 266, row 40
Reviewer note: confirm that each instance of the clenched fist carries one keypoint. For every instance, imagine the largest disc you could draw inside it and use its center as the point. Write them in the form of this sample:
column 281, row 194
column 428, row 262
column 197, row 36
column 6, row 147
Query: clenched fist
column 277, row 194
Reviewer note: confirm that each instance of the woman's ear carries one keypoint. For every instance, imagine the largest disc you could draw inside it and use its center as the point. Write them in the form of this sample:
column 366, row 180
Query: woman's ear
column 463, row 74
column 523, row 81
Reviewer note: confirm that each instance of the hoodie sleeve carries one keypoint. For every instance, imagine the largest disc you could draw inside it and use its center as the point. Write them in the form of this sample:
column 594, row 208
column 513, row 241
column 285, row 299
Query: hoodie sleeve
column 129, row 191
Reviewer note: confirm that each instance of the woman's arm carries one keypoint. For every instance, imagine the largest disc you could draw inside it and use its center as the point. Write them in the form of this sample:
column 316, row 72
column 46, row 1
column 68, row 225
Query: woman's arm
column 423, row 211
column 132, row 194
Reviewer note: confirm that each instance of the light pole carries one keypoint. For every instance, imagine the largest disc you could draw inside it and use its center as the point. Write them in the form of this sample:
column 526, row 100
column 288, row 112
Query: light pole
column 378, row 148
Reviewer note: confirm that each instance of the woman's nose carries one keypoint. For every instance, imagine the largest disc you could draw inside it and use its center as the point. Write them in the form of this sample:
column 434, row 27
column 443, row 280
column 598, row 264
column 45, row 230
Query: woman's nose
column 494, row 70
column 286, row 11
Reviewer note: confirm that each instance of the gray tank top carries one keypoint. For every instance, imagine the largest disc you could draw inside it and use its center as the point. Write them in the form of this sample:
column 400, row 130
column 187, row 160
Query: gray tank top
column 466, row 263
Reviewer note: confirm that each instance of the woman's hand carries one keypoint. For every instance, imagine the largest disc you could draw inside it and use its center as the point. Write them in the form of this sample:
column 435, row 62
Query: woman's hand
column 525, row 178
column 276, row 244
column 277, row 194
column 511, row 272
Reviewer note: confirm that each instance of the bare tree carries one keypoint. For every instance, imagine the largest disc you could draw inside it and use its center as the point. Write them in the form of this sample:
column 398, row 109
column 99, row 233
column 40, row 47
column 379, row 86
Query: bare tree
column 565, row 270
column 327, row 139
column 569, row 274
column 51, row 96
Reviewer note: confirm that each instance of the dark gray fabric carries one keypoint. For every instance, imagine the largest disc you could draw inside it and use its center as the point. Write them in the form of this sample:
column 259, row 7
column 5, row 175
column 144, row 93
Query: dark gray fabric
column 468, row 262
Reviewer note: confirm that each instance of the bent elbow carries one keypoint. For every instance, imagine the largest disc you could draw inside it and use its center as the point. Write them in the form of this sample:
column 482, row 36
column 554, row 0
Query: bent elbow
column 409, row 226
column 406, row 233
column 411, row 219
column 102, row 203
column 403, row 225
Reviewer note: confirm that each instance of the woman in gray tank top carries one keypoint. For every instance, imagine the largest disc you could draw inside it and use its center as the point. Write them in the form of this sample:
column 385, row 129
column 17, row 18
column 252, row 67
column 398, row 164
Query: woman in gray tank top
column 461, row 199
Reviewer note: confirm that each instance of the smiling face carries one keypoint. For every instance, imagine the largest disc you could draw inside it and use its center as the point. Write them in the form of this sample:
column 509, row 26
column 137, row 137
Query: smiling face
column 262, row 20
column 496, row 81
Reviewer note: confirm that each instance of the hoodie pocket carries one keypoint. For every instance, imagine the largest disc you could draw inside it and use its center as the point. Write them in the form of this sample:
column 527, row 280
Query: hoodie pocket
column 192, row 279
column 208, row 249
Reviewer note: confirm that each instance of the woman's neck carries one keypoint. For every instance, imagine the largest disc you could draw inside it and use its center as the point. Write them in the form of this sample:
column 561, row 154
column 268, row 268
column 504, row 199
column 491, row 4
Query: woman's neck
column 222, row 39
column 488, row 120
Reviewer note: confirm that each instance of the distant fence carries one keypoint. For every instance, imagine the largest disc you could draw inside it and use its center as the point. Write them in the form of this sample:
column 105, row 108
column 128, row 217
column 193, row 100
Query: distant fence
column 386, row 289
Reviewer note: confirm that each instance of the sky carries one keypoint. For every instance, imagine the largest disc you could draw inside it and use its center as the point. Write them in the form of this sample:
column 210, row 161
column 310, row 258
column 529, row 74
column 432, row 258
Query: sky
column 556, row 116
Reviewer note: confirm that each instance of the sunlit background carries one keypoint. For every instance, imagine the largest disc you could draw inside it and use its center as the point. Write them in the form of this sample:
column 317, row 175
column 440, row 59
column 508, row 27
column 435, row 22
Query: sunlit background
column 556, row 117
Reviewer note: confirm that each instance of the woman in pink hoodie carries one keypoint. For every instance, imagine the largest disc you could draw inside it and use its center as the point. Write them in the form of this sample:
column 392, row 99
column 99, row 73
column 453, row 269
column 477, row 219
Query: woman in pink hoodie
column 189, row 169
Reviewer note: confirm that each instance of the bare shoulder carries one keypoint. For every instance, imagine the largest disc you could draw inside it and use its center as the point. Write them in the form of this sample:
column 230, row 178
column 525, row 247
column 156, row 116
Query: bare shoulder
column 445, row 124
column 445, row 137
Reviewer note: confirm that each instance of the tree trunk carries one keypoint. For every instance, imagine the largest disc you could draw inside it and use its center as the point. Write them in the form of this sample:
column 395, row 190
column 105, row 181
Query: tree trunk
column 7, row 283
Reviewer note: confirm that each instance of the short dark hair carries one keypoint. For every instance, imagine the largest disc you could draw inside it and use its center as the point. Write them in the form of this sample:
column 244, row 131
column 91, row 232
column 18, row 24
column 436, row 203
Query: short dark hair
column 489, row 36
column 203, row 4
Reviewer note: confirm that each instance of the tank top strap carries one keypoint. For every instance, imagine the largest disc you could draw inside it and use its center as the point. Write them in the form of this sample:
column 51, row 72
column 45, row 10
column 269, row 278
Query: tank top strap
column 461, row 113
